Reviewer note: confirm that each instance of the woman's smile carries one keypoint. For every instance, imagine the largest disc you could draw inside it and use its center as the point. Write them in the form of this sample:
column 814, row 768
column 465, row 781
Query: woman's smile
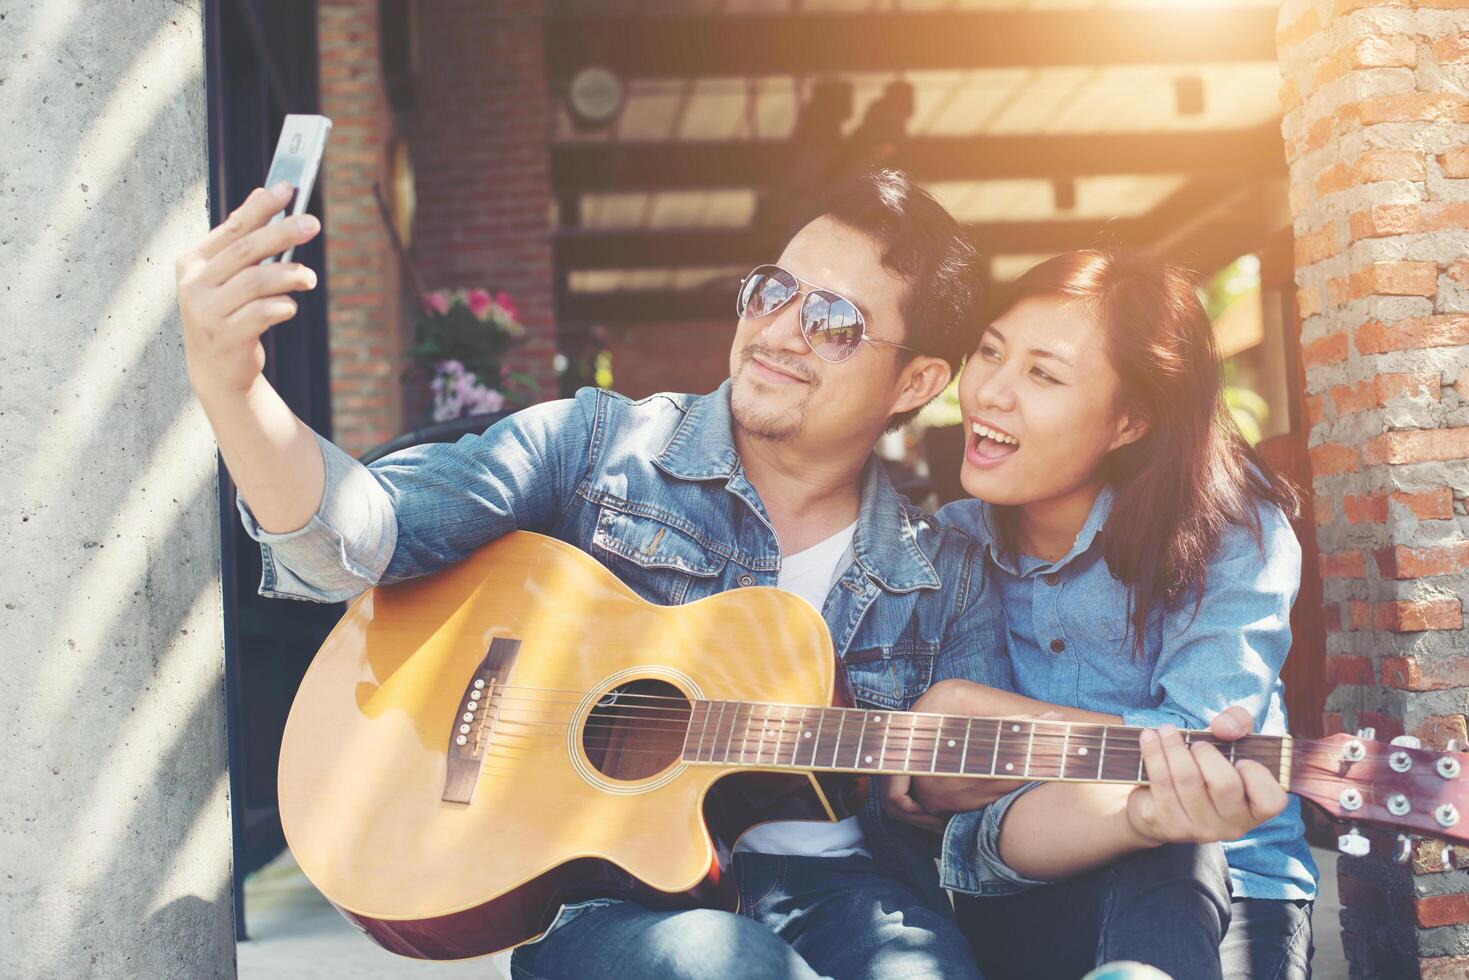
column 989, row 445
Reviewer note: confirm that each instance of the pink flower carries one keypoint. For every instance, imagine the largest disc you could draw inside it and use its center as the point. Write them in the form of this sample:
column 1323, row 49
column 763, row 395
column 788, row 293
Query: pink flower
column 436, row 302
column 504, row 302
column 479, row 303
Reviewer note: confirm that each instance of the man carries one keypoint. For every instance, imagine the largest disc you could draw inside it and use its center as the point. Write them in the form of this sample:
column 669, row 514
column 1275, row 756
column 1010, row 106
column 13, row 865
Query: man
column 769, row 480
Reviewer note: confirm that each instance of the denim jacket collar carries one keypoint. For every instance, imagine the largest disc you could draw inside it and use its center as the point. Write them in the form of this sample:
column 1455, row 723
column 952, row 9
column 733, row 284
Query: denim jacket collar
column 983, row 531
column 884, row 545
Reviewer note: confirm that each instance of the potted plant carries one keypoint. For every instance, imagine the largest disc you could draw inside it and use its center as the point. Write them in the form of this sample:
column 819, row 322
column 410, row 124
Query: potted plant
column 461, row 341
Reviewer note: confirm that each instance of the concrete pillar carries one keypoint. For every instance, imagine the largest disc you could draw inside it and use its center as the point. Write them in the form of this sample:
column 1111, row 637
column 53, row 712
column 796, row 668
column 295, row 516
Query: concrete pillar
column 114, row 808
column 1377, row 133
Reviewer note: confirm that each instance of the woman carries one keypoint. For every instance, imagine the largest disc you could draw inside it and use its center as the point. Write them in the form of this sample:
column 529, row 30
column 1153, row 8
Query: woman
column 1147, row 569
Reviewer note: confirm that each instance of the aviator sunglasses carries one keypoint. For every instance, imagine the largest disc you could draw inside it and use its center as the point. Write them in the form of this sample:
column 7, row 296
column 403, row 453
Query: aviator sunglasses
column 831, row 323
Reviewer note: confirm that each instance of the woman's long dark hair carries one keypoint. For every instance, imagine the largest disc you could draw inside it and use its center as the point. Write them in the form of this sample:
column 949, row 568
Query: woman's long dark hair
column 1192, row 474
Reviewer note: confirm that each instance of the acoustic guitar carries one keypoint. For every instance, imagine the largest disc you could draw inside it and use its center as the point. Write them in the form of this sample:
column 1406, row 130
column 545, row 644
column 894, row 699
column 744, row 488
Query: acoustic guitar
column 471, row 750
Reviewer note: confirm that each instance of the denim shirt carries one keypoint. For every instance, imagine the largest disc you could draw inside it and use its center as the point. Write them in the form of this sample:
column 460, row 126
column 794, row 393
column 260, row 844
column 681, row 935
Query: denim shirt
column 1070, row 643
column 655, row 491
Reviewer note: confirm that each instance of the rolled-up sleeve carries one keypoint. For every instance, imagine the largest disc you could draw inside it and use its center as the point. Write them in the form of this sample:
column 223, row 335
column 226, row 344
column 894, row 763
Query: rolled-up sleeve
column 345, row 546
column 971, row 861
column 1243, row 620
column 429, row 506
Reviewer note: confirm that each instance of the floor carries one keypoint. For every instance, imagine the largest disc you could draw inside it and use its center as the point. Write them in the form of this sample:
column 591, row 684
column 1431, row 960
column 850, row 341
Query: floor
column 296, row 935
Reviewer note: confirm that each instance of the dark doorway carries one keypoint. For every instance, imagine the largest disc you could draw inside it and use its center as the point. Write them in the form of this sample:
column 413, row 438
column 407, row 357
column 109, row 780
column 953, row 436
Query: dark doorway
column 262, row 65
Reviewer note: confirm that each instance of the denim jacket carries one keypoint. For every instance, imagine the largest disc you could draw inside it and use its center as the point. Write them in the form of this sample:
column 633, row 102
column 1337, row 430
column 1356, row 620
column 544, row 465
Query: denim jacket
column 655, row 491
column 1071, row 644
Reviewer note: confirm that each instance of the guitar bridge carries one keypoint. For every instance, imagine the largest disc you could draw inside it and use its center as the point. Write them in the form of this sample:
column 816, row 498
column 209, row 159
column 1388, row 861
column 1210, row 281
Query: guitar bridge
column 474, row 719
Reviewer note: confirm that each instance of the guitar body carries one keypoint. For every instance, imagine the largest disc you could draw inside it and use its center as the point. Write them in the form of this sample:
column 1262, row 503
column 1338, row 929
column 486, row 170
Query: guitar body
column 441, row 848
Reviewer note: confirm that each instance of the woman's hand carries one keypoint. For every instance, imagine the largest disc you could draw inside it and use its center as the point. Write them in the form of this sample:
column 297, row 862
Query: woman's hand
column 928, row 801
column 1194, row 795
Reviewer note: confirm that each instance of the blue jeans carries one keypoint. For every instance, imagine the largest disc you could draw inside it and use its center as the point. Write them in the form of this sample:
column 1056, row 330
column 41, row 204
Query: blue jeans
column 800, row 918
column 1169, row 907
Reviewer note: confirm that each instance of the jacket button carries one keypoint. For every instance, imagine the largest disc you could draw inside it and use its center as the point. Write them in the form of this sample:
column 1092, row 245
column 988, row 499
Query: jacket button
column 1058, row 646
column 1053, row 578
column 747, row 580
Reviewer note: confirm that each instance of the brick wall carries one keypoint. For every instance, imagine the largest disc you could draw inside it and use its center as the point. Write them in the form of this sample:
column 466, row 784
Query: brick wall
column 481, row 137
column 1377, row 134
column 648, row 358
column 365, row 325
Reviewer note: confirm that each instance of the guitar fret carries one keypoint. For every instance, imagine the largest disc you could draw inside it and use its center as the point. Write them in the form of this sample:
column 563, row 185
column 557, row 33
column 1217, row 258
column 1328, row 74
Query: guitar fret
column 841, row 723
column 861, row 734
column 1029, row 749
column 714, row 743
column 780, row 733
column 709, row 736
column 734, row 723
column 689, row 733
column 815, row 740
column 746, row 714
column 800, row 735
column 964, row 755
column 1065, row 748
column 760, row 742
column 882, row 753
column 912, row 729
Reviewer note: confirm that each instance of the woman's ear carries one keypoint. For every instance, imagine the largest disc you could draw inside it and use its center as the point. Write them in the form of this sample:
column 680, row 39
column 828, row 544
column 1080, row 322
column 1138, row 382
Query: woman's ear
column 1129, row 431
column 927, row 376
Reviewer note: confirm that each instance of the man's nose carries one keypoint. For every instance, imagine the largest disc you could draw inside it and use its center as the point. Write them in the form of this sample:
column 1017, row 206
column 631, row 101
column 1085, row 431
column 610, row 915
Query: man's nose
column 783, row 331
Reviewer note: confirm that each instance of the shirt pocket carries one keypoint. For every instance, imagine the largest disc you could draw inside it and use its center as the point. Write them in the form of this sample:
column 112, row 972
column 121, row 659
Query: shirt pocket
column 655, row 559
column 891, row 677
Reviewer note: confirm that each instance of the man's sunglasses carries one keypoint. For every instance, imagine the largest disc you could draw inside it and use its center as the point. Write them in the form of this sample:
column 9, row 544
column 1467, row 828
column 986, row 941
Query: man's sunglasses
column 832, row 324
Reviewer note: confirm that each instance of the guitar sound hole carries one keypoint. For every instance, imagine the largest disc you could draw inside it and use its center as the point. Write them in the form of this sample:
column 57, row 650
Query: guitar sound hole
column 637, row 730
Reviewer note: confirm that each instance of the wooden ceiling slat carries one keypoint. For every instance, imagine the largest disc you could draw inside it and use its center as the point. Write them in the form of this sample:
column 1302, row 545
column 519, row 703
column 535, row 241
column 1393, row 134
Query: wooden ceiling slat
column 803, row 44
column 715, row 164
column 1188, row 228
column 702, row 247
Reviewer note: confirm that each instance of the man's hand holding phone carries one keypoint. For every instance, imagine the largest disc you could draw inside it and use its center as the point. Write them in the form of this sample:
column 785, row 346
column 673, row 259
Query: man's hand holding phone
column 227, row 299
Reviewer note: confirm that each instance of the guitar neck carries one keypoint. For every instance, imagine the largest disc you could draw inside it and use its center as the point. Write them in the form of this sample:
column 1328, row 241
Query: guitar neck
column 855, row 740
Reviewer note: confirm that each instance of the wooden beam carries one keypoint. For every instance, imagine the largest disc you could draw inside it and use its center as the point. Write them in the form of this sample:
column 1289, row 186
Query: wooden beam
column 696, row 247
column 759, row 164
column 665, row 46
column 1203, row 226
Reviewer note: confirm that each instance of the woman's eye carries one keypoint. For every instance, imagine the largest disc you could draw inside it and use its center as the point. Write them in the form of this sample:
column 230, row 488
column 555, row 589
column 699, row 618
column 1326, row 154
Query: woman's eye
column 1040, row 375
column 988, row 353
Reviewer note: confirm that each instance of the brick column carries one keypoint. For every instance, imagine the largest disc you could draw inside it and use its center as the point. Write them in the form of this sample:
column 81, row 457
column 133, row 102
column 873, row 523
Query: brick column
column 365, row 324
column 1377, row 134
column 482, row 147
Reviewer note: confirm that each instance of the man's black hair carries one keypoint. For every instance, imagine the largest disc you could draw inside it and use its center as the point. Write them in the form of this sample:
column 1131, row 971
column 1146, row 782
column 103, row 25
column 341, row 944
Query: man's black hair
column 922, row 243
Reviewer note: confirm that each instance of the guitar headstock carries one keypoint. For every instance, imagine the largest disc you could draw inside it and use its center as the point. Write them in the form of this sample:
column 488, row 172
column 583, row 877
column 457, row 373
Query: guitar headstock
column 1394, row 784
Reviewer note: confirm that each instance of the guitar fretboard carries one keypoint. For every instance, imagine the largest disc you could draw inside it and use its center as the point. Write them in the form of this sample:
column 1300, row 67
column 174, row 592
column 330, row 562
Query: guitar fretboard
column 774, row 736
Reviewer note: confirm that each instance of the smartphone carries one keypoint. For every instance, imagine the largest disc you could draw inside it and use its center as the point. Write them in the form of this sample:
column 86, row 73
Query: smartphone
column 297, row 158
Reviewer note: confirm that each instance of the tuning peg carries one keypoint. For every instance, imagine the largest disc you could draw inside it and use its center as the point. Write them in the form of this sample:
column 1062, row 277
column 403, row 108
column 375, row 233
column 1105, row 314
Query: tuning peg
column 1453, row 745
column 1408, row 741
column 1353, row 844
column 1367, row 734
column 1403, row 850
column 1448, row 857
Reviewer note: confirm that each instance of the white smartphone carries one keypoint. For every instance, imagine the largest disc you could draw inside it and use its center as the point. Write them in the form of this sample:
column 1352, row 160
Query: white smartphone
column 297, row 158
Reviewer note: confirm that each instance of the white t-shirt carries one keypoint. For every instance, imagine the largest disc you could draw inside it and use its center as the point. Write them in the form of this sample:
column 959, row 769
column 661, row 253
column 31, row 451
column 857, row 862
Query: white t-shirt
column 811, row 574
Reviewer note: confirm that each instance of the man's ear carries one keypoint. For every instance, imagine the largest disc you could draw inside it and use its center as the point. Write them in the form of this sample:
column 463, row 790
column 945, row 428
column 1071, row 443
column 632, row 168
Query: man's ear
column 926, row 377
column 1129, row 431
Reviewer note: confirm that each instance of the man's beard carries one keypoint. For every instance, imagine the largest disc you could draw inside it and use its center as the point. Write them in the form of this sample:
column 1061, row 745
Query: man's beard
column 753, row 416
